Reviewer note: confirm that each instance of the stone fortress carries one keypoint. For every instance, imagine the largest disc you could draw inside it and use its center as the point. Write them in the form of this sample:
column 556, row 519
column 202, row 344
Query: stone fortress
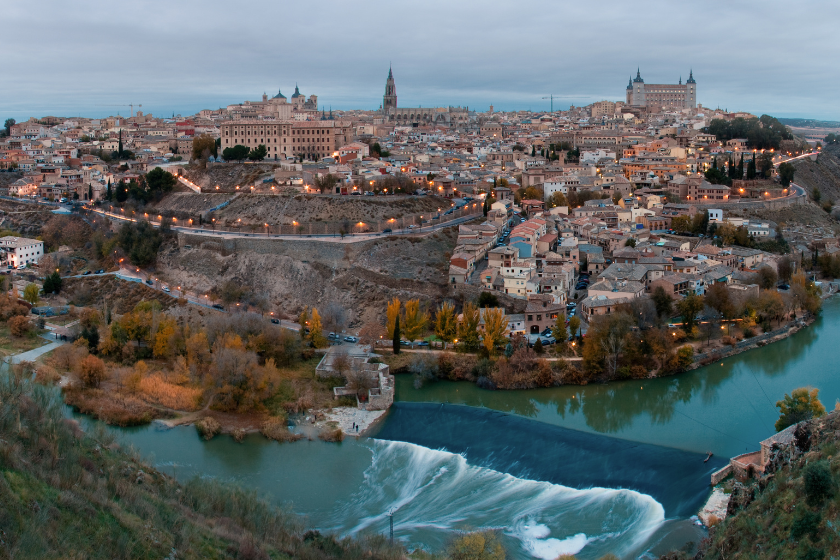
column 654, row 96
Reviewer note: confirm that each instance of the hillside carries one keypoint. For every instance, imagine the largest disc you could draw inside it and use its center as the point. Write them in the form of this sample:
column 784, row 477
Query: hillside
column 69, row 494
column 793, row 511
column 823, row 173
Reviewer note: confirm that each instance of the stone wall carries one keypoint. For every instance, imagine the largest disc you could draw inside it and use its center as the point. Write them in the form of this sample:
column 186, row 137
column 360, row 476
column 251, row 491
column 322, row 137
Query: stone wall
column 747, row 344
column 719, row 475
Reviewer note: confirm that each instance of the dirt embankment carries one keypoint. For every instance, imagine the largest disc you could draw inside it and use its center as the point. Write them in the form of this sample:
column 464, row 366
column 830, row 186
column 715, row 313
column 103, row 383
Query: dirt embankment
column 293, row 274
column 120, row 295
column 228, row 176
column 28, row 219
column 275, row 209
column 823, row 173
column 191, row 203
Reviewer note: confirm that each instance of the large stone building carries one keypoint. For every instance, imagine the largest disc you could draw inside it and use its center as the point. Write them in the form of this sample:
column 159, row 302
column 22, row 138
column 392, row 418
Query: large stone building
column 417, row 116
column 277, row 107
column 667, row 96
column 285, row 138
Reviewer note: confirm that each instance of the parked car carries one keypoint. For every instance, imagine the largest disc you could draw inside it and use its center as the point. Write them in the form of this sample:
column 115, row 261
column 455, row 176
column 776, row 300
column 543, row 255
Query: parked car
column 100, row 271
column 387, row 230
column 332, row 336
column 166, row 289
column 85, row 273
column 351, row 339
column 412, row 226
column 275, row 321
column 571, row 305
column 218, row 306
column 422, row 343
column 149, row 282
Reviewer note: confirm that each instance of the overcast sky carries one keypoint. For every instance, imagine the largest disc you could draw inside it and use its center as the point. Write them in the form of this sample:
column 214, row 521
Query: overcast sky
column 75, row 58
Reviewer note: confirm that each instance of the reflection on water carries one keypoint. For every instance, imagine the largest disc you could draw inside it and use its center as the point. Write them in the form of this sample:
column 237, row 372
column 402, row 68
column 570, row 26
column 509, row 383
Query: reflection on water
column 726, row 407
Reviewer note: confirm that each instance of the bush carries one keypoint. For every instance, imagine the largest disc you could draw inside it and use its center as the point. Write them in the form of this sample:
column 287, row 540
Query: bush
column 19, row 326
column 92, row 371
column 332, row 435
column 208, row 427
column 819, row 484
column 806, row 523
column 275, row 428
column 166, row 394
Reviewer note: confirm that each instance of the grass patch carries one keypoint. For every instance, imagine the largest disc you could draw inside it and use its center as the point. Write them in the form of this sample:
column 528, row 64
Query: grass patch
column 15, row 345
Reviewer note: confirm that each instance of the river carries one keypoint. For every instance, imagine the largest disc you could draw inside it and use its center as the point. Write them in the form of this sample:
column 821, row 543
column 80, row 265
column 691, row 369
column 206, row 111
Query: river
column 583, row 470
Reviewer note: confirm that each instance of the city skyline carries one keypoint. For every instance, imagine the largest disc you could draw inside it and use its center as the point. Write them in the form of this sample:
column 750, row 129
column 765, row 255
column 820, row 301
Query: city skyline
column 186, row 58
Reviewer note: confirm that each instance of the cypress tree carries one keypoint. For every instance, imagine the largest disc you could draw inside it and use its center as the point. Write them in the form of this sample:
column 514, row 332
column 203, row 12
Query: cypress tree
column 397, row 335
column 751, row 168
column 741, row 168
column 120, row 152
column 108, row 192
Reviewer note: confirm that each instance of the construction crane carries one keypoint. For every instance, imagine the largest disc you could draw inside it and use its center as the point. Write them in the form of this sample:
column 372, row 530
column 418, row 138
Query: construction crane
column 131, row 105
column 553, row 97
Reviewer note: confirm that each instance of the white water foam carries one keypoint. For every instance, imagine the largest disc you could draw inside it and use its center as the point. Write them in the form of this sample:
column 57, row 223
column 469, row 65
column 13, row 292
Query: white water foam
column 436, row 494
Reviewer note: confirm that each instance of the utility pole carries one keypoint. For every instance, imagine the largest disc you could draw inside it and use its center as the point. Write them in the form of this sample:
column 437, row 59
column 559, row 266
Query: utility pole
column 391, row 525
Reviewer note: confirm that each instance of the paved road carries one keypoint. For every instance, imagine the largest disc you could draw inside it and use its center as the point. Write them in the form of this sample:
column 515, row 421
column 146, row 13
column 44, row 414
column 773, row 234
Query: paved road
column 33, row 355
column 327, row 238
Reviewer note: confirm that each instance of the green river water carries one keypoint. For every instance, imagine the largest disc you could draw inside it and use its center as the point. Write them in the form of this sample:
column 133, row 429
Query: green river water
column 726, row 408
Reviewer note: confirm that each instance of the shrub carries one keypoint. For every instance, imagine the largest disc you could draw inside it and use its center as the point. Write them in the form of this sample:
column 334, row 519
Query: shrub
column 238, row 434
column 332, row 435
column 806, row 523
column 729, row 340
column 481, row 545
column 19, row 326
column 208, row 427
column 819, row 484
column 115, row 409
column 275, row 428
column 156, row 389
column 92, row 371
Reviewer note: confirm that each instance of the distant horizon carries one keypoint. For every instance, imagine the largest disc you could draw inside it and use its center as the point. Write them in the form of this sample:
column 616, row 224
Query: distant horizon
column 185, row 56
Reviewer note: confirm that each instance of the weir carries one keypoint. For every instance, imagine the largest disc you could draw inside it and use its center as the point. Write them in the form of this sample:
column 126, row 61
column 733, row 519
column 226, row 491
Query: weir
column 679, row 480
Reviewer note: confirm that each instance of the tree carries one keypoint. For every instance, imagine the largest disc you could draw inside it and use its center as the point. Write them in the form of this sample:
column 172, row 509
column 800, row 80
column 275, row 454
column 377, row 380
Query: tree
column 258, row 153
column 786, row 171
column 631, row 242
column 487, row 299
column 53, row 283
column 468, row 327
column 767, row 278
column 303, row 321
column 19, row 326
column 30, row 293
column 391, row 314
column 557, row 199
column 802, row 404
column 663, row 302
column 238, row 152
column 326, row 183
column 445, row 324
column 688, row 308
column 8, row 125
column 416, row 320
column 396, row 335
column 334, row 317
column 482, row 545
column 91, row 371
column 559, row 331
column 785, row 268
column 316, row 332
column 751, row 169
column 160, row 181
column 495, row 329
column 203, row 146
column 574, row 325
column 718, row 298
column 681, row 224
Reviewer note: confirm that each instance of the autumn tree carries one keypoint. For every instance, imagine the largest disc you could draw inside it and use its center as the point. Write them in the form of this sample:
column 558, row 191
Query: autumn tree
column 446, row 326
column 802, row 404
column 391, row 314
column 91, row 371
column 416, row 320
column 482, row 545
column 468, row 327
column 316, row 332
column 495, row 329
column 574, row 325
column 718, row 298
column 239, row 380
column 559, row 332
column 19, row 326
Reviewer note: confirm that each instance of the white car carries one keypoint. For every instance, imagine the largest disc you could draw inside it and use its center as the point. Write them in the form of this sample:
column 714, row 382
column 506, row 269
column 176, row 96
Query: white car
column 412, row 226
column 166, row 289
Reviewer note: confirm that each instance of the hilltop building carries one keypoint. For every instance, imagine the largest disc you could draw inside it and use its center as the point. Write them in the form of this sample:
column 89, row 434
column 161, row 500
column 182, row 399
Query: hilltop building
column 667, row 96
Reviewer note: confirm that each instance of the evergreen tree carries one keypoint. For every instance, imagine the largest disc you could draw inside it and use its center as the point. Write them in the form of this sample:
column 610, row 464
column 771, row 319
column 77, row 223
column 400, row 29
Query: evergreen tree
column 108, row 192
column 533, row 151
column 751, row 168
column 714, row 163
column 397, row 335
column 120, row 151
column 741, row 168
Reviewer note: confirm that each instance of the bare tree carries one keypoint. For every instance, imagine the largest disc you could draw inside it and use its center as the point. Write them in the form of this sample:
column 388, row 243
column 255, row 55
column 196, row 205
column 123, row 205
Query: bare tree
column 341, row 362
column 334, row 317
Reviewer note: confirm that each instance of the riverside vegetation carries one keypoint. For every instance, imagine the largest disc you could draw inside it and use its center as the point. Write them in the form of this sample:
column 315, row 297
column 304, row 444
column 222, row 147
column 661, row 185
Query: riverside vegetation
column 636, row 341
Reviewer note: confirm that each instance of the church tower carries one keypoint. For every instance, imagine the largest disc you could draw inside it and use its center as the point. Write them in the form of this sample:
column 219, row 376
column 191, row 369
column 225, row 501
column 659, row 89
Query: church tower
column 691, row 91
column 389, row 101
